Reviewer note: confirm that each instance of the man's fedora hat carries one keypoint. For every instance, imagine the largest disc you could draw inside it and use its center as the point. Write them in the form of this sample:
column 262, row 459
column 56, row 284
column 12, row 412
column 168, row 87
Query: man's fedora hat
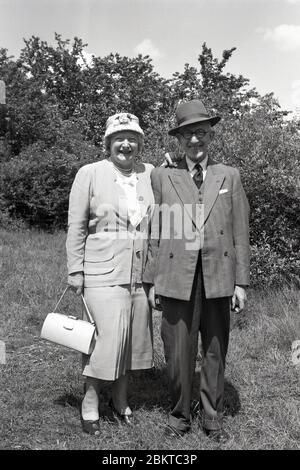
column 191, row 112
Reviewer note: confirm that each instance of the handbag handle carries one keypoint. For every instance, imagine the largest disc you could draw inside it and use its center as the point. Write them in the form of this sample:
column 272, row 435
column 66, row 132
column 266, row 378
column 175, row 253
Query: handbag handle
column 84, row 303
column 87, row 310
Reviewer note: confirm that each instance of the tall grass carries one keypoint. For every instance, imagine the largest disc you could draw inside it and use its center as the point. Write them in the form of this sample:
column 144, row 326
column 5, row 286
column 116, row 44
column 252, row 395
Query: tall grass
column 41, row 384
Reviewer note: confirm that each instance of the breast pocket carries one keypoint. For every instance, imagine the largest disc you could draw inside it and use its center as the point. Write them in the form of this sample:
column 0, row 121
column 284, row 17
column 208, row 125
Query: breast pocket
column 223, row 194
column 225, row 199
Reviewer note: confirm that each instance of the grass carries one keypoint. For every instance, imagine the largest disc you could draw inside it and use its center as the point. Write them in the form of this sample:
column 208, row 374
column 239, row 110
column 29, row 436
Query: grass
column 41, row 385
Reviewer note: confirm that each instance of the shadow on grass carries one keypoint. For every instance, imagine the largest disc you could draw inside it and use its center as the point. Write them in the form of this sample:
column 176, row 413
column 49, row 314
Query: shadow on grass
column 68, row 399
column 232, row 404
column 149, row 390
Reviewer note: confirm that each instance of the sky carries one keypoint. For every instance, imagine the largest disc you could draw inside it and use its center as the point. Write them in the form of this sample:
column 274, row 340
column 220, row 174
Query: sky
column 266, row 34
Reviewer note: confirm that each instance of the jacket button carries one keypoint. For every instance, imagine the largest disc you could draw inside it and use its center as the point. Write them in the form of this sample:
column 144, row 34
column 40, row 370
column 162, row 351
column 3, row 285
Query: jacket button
column 141, row 198
column 221, row 232
column 226, row 253
column 171, row 255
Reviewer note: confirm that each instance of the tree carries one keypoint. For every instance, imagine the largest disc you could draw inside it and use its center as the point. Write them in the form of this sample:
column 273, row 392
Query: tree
column 56, row 71
column 266, row 150
column 117, row 84
column 58, row 105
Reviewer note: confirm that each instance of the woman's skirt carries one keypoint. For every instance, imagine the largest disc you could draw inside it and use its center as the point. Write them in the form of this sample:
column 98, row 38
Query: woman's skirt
column 124, row 323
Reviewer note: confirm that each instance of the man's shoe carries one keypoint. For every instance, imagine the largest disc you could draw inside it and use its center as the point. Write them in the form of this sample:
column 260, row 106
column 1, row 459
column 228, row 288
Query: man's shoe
column 171, row 432
column 218, row 435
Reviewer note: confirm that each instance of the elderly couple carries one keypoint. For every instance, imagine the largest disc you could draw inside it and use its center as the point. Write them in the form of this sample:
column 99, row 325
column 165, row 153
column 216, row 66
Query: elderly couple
column 122, row 263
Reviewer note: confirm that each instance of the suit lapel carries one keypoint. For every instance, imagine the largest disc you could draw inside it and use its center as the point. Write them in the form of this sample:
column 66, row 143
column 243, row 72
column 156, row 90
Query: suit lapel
column 211, row 186
column 141, row 187
column 185, row 187
column 144, row 192
column 183, row 183
column 117, row 194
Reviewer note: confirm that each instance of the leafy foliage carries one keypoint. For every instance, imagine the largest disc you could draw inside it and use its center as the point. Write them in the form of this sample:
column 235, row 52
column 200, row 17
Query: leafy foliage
column 36, row 184
column 58, row 103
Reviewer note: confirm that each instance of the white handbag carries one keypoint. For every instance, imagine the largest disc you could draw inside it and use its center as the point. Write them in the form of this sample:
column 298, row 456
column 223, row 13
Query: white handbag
column 70, row 331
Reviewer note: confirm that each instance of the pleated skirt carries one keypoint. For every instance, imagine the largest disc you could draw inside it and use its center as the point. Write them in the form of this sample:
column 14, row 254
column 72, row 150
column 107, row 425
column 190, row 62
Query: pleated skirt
column 124, row 323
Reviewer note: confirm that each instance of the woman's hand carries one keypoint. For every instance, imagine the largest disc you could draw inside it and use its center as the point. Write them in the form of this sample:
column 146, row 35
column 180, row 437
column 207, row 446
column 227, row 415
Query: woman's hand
column 168, row 162
column 151, row 297
column 75, row 281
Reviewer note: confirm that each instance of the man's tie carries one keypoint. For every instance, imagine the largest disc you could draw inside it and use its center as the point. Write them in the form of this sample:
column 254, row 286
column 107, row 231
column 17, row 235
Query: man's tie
column 198, row 176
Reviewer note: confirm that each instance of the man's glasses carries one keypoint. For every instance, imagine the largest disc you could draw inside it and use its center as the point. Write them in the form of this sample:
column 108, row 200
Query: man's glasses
column 199, row 133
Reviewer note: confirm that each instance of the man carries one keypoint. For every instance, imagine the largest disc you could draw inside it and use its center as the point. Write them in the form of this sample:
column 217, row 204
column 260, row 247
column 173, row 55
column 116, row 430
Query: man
column 197, row 279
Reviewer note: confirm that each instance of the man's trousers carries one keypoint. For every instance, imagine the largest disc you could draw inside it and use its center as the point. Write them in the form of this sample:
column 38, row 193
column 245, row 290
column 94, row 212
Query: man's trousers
column 181, row 322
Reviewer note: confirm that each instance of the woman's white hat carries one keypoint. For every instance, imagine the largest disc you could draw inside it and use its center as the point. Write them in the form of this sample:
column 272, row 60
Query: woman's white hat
column 122, row 122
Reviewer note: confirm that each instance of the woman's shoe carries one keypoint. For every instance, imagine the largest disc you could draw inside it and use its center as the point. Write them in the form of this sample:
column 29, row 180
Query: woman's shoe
column 90, row 427
column 126, row 419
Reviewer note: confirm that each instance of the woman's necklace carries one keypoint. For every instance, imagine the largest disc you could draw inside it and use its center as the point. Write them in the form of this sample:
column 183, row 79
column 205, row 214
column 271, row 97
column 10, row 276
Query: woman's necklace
column 123, row 171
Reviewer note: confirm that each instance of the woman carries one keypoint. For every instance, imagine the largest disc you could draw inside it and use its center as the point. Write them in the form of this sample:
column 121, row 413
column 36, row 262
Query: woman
column 106, row 242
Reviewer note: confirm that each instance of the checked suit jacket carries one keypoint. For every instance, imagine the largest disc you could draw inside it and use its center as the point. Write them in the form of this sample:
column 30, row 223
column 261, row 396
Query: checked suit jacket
column 214, row 219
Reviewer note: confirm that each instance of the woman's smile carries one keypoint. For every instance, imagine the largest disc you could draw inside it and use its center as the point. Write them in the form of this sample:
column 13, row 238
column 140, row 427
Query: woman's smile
column 124, row 147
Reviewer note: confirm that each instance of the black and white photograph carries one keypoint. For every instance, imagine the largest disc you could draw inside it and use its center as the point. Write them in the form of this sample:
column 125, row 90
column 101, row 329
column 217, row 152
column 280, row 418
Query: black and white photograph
column 149, row 228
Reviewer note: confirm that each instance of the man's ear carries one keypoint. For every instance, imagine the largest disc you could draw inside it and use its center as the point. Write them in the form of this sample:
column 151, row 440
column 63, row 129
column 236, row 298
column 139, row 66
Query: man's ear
column 211, row 134
column 179, row 137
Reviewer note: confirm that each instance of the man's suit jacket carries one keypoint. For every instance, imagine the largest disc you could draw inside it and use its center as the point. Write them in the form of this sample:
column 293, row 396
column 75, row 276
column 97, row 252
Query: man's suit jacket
column 100, row 241
column 221, row 231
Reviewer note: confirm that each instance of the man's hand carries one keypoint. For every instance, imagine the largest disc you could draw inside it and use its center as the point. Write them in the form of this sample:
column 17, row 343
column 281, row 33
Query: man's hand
column 239, row 299
column 75, row 281
column 151, row 297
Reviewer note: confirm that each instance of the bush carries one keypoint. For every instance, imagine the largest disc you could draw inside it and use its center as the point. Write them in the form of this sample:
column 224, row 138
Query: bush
column 8, row 222
column 35, row 185
column 59, row 104
column 266, row 152
column 269, row 268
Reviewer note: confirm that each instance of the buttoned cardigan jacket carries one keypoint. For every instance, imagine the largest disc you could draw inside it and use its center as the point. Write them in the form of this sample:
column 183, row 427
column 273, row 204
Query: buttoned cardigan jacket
column 100, row 240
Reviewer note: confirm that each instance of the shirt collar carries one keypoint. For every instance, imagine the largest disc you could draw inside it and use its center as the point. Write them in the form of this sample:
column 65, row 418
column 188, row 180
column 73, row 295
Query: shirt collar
column 191, row 164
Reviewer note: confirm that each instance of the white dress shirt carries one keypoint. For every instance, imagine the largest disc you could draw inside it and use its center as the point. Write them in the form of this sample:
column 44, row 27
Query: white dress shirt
column 128, row 184
column 191, row 166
